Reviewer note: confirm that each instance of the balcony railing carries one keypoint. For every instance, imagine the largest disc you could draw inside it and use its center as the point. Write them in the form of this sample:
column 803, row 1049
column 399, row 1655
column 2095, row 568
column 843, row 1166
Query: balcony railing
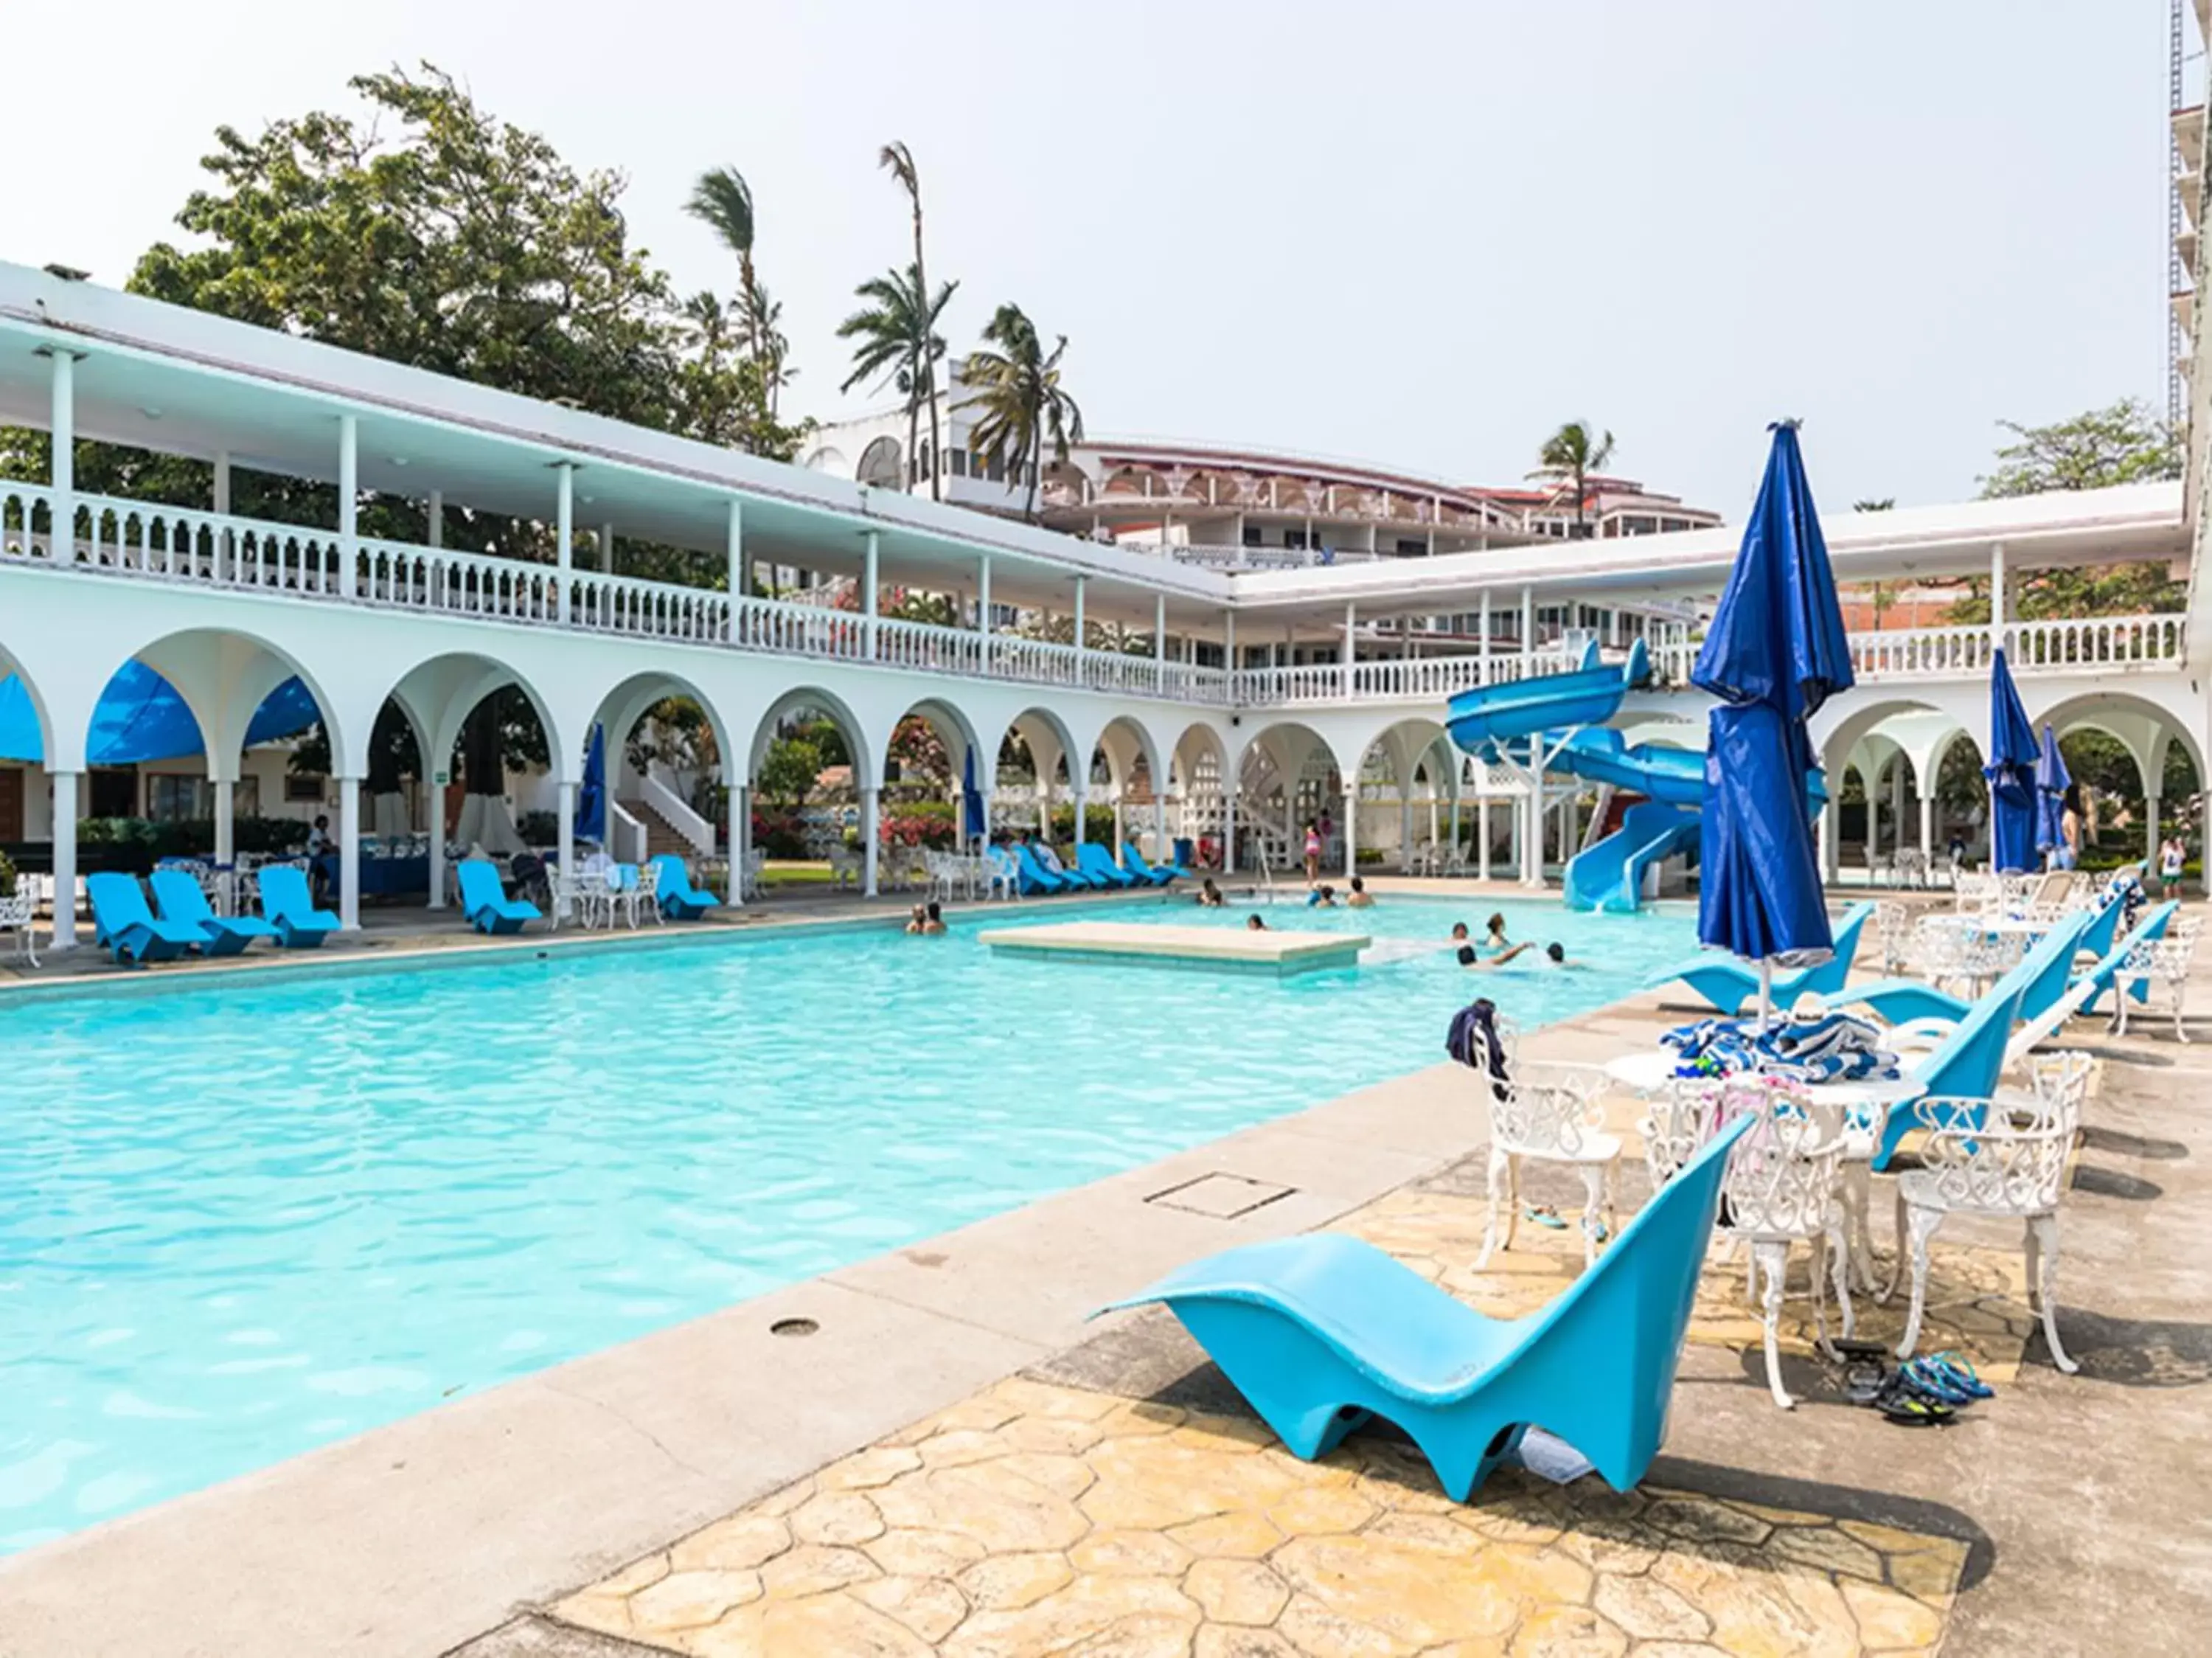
column 181, row 546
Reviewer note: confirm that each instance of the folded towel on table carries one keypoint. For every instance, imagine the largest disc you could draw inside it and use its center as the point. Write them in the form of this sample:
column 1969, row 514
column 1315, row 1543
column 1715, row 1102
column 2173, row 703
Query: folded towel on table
column 1833, row 1048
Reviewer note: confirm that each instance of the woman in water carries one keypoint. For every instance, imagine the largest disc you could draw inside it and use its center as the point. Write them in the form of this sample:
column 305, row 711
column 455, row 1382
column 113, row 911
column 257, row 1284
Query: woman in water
column 1361, row 898
column 1209, row 895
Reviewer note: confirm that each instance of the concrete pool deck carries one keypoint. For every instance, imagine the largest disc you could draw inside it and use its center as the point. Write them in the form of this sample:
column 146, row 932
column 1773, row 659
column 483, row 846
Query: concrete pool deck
column 471, row 1526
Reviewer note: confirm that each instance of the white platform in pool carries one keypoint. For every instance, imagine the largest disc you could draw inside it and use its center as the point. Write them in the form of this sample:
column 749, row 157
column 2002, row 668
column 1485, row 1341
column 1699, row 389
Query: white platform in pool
column 1277, row 955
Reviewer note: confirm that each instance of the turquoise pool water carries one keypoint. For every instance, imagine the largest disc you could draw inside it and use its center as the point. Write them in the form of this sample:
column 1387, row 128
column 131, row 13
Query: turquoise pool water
column 239, row 1221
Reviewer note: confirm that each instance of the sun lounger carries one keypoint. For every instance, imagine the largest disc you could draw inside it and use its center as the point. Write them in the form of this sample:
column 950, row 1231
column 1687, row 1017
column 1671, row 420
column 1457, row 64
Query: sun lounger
column 485, row 903
column 2042, row 975
column 678, row 898
column 2101, row 979
column 1725, row 984
column 289, row 906
column 1097, row 862
column 1965, row 1065
column 121, row 921
column 1133, row 862
column 181, row 900
column 1035, row 878
column 1321, row 1332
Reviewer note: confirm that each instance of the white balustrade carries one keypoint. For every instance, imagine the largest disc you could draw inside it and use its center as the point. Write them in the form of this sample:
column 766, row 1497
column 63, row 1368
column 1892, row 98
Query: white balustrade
column 140, row 540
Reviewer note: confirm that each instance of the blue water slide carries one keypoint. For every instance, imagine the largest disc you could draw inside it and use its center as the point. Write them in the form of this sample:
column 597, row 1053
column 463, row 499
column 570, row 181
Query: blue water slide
column 1608, row 877
column 1493, row 719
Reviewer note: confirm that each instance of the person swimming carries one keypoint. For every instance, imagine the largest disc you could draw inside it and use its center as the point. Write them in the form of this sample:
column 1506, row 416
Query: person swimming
column 1254, row 924
column 1209, row 895
column 1322, row 897
column 1361, row 898
column 933, row 920
column 917, row 921
column 1495, row 929
column 1459, row 932
column 1469, row 957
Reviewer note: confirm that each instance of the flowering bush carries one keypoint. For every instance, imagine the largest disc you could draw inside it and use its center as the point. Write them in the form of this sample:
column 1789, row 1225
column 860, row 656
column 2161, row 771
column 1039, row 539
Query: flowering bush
column 934, row 832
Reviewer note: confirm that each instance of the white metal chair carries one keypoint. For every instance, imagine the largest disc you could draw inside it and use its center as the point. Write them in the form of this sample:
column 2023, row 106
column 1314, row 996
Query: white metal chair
column 2159, row 964
column 1549, row 1114
column 1894, row 931
column 749, row 873
column 1882, row 868
column 1783, row 1186
column 640, row 890
column 2007, row 1162
column 1001, row 878
column 1911, row 867
column 16, row 912
column 845, row 866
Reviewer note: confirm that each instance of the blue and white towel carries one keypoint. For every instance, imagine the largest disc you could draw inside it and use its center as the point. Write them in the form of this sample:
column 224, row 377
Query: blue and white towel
column 1833, row 1048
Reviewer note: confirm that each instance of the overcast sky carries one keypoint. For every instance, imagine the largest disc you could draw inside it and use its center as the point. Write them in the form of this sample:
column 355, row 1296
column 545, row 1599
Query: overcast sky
column 1416, row 235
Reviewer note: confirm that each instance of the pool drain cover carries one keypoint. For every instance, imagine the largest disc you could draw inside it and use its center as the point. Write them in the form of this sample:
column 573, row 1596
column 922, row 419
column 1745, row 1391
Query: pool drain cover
column 1224, row 1197
column 793, row 1327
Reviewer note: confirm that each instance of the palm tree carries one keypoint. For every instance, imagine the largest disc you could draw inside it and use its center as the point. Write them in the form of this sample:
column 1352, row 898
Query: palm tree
column 898, row 161
column 723, row 200
column 1576, row 450
column 898, row 339
column 1017, row 389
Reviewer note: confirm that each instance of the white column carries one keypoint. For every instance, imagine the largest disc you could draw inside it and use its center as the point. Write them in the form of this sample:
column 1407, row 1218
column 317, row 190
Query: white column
column 1160, row 823
column 1229, row 641
column 437, row 528
column 733, row 549
column 64, row 861
column 606, row 549
column 225, row 827
column 1528, row 624
column 1350, row 829
column 1082, row 793
column 564, row 530
column 1160, row 632
column 983, row 606
column 741, row 838
column 1532, row 835
column 1482, row 837
column 350, row 854
column 1927, row 829
column 349, row 501
column 1351, row 620
column 564, row 846
column 1482, row 647
column 219, row 497
column 871, row 830
column 1406, row 828
column 868, row 597
column 437, row 775
column 1999, row 600
column 1081, row 678
column 1228, row 827
column 1828, row 840
column 1897, row 805
column 62, row 478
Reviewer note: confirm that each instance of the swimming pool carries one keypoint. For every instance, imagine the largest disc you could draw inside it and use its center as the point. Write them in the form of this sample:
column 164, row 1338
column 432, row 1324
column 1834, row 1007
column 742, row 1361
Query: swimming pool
column 243, row 1220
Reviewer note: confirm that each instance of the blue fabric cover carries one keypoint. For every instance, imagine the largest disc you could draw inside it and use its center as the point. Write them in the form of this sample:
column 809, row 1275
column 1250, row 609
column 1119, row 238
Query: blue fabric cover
column 1775, row 652
column 2012, row 754
column 140, row 717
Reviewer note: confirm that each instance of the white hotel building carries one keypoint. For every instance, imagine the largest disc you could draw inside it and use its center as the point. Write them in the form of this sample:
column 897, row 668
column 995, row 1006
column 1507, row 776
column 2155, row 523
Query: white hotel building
column 1261, row 681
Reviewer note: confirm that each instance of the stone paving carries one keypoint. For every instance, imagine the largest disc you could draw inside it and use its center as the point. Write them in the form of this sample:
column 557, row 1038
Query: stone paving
column 1039, row 1519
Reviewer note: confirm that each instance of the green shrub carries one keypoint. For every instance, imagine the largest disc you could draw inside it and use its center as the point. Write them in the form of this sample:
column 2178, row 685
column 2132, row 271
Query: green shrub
column 192, row 837
column 1097, row 825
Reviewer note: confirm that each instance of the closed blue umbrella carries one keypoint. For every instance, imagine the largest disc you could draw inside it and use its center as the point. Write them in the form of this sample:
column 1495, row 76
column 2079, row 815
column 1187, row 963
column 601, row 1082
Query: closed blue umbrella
column 2011, row 770
column 1774, row 652
column 591, row 793
column 976, row 818
column 2052, row 780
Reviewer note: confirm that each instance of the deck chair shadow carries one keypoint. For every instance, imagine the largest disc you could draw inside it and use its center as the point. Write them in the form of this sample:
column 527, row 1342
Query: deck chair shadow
column 1321, row 1332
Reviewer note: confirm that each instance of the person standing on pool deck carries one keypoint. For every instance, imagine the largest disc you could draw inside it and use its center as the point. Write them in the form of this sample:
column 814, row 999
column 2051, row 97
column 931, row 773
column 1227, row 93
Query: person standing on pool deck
column 2173, row 854
column 1313, row 853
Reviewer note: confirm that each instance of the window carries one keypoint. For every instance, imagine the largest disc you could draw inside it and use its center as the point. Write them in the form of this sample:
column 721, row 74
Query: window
column 1295, row 539
column 1251, row 535
column 114, row 792
column 960, row 463
column 171, row 798
column 303, row 786
column 995, row 466
column 1410, row 549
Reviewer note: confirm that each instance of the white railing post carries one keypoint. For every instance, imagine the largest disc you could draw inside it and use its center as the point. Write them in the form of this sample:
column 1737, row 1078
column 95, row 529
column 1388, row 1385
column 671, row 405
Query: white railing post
column 348, row 503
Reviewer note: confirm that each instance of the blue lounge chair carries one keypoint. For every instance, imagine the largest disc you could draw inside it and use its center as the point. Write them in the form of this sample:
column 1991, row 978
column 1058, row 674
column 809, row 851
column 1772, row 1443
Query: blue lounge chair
column 121, row 921
column 1097, row 862
column 678, row 897
column 290, row 907
column 1321, row 1331
column 1965, row 1067
column 2101, row 979
column 485, row 902
column 1133, row 862
column 2042, row 974
column 1035, row 877
column 1725, row 984
column 181, row 900
column 1078, row 878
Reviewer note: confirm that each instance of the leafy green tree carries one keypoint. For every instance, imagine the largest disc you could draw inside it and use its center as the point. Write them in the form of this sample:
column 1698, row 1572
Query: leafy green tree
column 724, row 201
column 2123, row 444
column 896, row 343
column 897, row 160
column 435, row 235
column 788, row 771
column 1575, row 451
column 1022, row 403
